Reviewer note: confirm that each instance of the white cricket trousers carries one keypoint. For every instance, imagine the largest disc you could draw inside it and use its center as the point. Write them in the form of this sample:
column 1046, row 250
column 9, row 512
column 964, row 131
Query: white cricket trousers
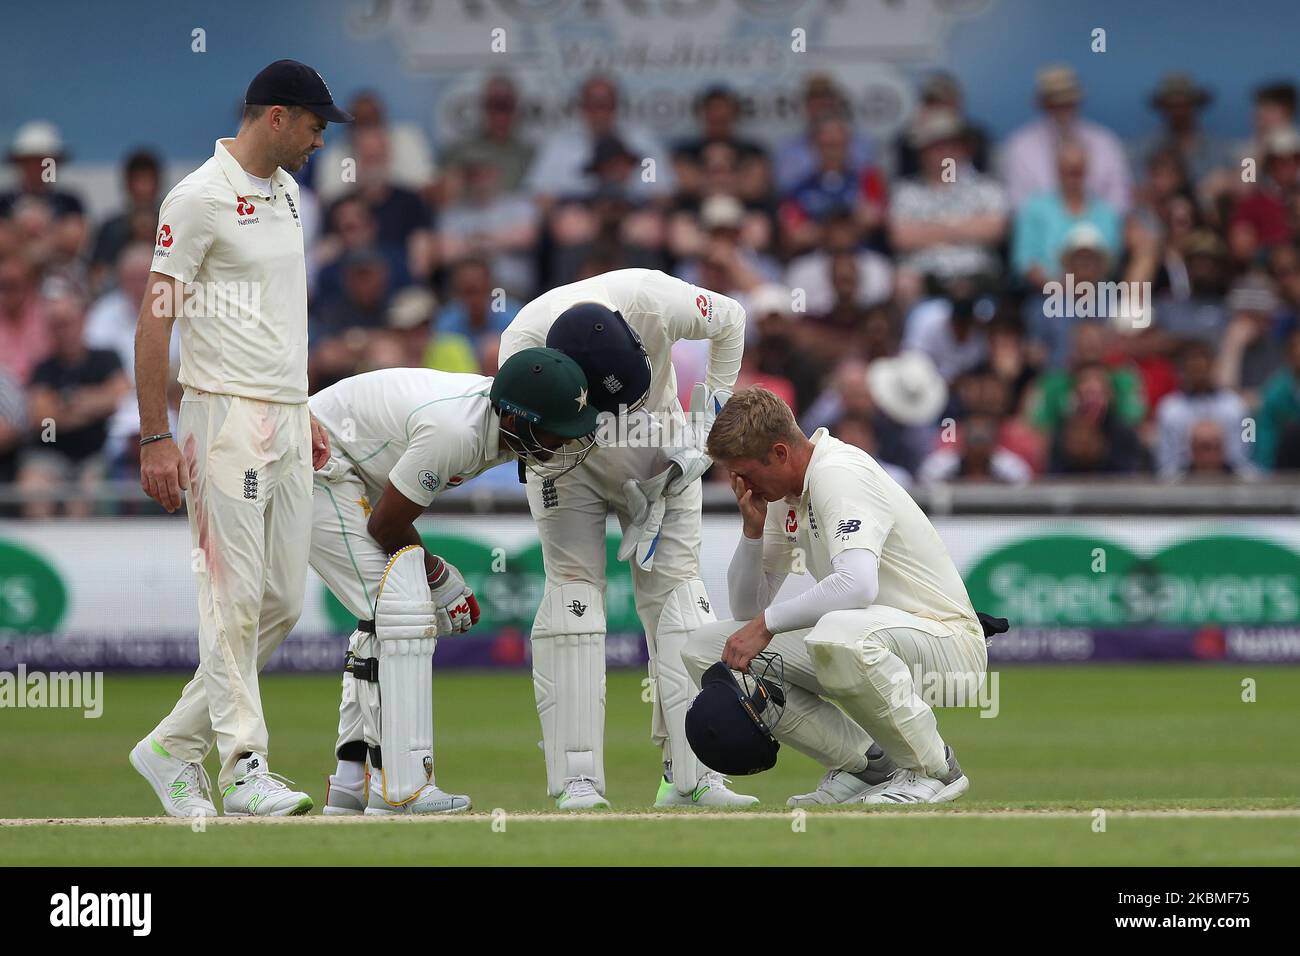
column 572, row 533
column 249, row 504
column 884, row 667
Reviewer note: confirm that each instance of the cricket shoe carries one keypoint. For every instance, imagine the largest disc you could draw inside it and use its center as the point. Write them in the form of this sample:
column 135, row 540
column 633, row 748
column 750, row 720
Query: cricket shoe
column 342, row 800
column 429, row 800
column 909, row 786
column 257, row 792
column 580, row 794
column 710, row 791
column 841, row 786
column 182, row 786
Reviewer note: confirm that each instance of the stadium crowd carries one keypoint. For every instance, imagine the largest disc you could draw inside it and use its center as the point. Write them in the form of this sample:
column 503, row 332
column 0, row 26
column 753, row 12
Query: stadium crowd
column 1060, row 303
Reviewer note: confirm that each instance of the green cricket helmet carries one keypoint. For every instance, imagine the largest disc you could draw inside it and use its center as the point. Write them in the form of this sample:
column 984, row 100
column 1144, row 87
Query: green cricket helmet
column 546, row 391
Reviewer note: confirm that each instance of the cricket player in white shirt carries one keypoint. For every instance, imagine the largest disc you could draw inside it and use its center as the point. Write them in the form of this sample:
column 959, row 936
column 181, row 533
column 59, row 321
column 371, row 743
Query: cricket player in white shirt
column 401, row 437
column 229, row 264
column 889, row 612
column 620, row 328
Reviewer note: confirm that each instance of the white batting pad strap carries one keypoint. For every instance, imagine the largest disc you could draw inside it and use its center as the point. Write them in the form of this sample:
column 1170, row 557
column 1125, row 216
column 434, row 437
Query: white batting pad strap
column 568, row 643
column 404, row 630
column 686, row 611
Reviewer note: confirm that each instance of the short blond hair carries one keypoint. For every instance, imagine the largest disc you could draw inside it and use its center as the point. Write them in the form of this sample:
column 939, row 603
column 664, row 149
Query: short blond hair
column 749, row 425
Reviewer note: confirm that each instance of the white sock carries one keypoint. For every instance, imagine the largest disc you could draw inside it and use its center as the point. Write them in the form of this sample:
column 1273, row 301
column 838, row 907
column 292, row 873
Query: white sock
column 350, row 774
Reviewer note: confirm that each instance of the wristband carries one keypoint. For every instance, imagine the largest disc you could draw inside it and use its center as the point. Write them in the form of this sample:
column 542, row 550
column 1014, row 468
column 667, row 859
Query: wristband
column 154, row 438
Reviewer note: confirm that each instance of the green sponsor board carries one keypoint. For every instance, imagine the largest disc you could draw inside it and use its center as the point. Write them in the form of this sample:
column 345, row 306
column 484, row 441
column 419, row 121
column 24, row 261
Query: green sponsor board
column 509, row 586
column 1089, row 580
column 33, row 598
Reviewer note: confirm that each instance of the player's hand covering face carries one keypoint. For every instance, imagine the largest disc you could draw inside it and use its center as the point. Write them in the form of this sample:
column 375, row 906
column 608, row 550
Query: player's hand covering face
column 753, row 508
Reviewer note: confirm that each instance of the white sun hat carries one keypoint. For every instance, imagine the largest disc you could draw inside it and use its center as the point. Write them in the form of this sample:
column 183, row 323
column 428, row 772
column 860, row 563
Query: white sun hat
column 908, row 388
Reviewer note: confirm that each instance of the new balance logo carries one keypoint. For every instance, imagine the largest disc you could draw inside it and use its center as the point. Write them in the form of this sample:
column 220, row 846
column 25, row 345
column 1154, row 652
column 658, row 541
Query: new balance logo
column 250, row 484
column 704, row 604
column 577, row 607
column 846, row 528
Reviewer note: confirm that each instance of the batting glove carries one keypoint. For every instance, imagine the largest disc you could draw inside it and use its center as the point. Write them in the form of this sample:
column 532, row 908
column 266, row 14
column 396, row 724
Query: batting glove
column 456, row 608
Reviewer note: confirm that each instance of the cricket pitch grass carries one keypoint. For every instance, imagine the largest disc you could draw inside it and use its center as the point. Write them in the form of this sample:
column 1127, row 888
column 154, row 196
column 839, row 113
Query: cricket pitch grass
column 1089, row 765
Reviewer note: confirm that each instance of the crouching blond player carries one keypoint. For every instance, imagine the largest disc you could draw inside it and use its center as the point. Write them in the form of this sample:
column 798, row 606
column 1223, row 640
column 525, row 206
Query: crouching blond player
column 888, row 615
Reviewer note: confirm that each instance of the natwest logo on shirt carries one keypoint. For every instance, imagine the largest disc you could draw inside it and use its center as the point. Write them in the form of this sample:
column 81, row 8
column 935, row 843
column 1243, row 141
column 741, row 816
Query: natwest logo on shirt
column 705, row 304
column 165, row 236
column 244, row 207
column 791, row 522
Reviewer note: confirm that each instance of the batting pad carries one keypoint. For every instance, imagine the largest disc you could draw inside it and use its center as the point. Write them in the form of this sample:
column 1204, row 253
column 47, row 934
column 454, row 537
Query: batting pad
column 569, row 683
column 405, row 628
column 685, row 612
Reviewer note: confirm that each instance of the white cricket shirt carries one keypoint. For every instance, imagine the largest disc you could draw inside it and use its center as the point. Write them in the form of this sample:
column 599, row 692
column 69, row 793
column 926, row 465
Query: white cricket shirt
column 423, row 430
column 660, row 309
column 849, row 501
column 243, row 323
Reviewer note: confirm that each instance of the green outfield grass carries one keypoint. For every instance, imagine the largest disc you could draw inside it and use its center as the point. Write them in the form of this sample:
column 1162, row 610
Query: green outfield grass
column 1065, row 739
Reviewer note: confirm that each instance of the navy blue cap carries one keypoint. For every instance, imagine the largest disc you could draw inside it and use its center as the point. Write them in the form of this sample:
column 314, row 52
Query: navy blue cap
column 609, row 352
column 290, row 83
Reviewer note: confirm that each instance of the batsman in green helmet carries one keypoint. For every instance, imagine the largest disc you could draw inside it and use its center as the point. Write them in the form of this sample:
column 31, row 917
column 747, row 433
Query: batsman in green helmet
column 399, row 437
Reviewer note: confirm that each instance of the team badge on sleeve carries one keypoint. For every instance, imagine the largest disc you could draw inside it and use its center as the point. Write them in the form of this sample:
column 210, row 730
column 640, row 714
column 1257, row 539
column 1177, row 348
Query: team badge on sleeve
column 428, row 480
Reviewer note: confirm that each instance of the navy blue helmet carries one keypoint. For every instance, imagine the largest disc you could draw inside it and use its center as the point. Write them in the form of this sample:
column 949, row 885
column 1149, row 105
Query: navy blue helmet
column 608, row 350
column 731, row 721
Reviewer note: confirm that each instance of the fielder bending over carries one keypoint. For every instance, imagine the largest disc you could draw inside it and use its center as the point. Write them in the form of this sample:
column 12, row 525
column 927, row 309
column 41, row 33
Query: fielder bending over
column 620, row 328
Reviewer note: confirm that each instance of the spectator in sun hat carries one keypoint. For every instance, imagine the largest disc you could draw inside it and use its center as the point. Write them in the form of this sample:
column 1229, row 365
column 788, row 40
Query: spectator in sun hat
column 35, row 146
column 940, row 92
column 721, row 221
column 1086, row 256
column 1028, row 160
column 948, row 222
column 1180, row 101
